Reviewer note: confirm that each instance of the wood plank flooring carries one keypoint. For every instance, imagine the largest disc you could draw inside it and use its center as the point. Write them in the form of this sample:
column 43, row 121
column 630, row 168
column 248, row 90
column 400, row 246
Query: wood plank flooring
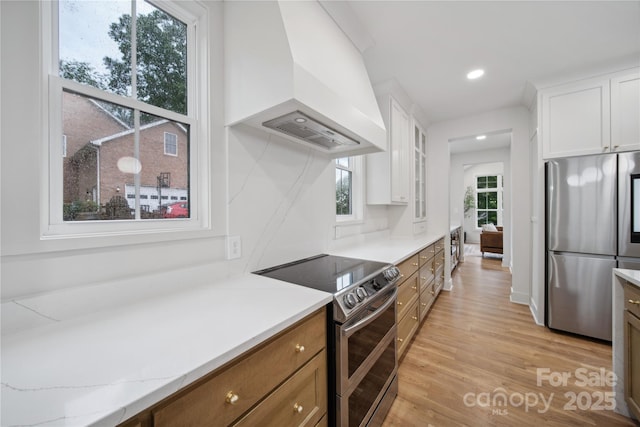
column 476, row 347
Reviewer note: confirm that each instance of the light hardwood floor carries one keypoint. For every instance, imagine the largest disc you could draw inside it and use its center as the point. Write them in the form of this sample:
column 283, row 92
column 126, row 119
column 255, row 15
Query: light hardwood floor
column 476, row 346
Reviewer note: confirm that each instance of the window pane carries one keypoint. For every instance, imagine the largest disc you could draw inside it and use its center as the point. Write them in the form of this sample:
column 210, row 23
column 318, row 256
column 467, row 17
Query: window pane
column 482, row 182
column 343, row 192
column 166, row 176
column 161, row 59
column 99, row 172
column 90, row 127
column 95, row 49
column 482, row 218
column 84, row 40
column 492, row 182
column 492, row 200
column 492, row 217
column 482, row 201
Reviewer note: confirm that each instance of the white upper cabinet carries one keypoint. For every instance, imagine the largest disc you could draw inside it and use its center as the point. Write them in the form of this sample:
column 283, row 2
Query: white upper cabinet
column 388, row 173
column 593, row 116
column 419, row 173
column 625, row 111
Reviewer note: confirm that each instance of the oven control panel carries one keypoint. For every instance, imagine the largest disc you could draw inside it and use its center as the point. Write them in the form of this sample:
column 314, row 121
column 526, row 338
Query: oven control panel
column 358, row 295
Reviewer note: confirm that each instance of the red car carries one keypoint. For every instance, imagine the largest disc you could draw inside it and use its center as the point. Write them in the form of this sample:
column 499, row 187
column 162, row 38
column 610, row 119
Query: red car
column 177, row 210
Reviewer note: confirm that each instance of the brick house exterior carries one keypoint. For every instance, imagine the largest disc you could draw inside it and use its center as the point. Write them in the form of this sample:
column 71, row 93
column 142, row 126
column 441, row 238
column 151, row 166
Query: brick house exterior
column 96, row 140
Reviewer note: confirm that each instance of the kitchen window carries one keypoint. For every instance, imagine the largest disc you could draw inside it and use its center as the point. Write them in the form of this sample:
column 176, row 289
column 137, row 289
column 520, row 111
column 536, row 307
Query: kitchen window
column 123, row 91
column 489, row 207
column 349, row 188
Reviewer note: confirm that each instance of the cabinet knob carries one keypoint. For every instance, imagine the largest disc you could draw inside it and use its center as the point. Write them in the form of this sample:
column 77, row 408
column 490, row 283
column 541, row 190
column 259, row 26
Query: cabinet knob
column 424, row 304
column 299, row 348
column 415, row 288
column 414, row 317
column 423, row 257
column 423, row 278
column 636, row 302
column 433, row 292
column 415, row 264
column 232, row 398
column 399, row 302
column 401, row 276
column 298, row 408
column 400, row 340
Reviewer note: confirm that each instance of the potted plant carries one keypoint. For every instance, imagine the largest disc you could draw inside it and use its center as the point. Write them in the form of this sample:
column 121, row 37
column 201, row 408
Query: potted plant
column 469, row 204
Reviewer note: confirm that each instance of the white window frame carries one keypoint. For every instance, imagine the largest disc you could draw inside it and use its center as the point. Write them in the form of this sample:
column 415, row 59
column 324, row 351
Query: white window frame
column 357, row 191
column 173, row 143
column 499, row 189
column 52, row 225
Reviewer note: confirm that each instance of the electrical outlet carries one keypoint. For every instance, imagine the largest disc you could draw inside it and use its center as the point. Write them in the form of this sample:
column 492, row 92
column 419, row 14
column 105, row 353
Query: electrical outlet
column 234, row 247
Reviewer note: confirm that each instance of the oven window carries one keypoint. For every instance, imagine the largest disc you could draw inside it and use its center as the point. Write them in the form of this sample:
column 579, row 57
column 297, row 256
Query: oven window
column 364, row 396
column 362, row 343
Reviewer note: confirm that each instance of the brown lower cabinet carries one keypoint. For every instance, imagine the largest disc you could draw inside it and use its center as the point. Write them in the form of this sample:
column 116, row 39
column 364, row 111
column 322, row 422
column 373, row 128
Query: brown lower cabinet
column 632, row 349
column 422, row 278
column 282, row 382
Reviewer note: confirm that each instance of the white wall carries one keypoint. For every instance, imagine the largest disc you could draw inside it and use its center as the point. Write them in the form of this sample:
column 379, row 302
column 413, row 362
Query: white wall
column 517, row 194
column 277, row 195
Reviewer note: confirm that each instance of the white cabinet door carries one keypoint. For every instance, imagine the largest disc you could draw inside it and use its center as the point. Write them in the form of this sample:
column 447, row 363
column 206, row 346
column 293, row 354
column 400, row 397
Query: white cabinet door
column 625, row 112
column 388, row 173
column 419, row 173
column 399, row 153
column 576, row 119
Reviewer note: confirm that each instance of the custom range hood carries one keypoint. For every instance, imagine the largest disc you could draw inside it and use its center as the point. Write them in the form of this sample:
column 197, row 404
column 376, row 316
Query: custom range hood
column 290, row 70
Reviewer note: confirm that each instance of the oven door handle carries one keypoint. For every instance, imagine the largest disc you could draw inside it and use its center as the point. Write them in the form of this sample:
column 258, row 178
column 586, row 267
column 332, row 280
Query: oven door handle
column 370, row 318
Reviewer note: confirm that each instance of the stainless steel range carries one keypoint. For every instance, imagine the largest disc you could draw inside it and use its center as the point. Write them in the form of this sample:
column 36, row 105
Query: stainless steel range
column 361, row 332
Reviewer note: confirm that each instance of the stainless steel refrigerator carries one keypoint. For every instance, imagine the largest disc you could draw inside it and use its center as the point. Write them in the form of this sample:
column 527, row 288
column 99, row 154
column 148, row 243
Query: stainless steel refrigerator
column 590, row 231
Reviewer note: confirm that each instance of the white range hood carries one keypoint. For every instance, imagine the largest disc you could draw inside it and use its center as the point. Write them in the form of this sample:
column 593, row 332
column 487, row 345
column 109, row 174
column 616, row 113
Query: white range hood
column 289, row 69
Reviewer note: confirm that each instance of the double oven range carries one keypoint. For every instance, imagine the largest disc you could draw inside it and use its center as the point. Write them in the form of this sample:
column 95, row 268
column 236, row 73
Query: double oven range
column 361, row 333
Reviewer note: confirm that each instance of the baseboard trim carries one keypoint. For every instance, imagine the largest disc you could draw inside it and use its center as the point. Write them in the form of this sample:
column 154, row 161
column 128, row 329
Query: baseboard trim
column 519, row 298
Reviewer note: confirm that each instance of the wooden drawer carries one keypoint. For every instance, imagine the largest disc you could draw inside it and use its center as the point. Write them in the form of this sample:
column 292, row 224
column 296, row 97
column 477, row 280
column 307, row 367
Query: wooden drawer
column 426, row 300
column 407, row 294
column 407, row 327
column 438, row 284
column 408, row 267
column 439, row 246
column 426, row 276
column 632, row 299
column 250, row 378
column 426, row 254
column 438, row 262
column 300, row 401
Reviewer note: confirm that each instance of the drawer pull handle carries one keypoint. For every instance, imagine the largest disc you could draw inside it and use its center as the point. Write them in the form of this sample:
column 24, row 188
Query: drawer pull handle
column 232, row 398
column 423, row 257
column 299, row 348
column 399, row 302
column 636, row 302
column 415, row 264
column 415, row 288
column 414, row 317
column 401, row 276
column 423, row 304
column 400, row 340
column 433, row 292
column 298, row 408
column 423, row 278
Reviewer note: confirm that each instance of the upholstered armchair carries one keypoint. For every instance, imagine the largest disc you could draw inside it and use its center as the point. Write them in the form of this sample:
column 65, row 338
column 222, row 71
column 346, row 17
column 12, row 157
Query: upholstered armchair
column 491, row 241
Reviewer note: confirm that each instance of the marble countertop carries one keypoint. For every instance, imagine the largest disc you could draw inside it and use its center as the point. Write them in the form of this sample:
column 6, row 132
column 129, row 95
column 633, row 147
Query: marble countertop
column 392, row 250
column 101, row 368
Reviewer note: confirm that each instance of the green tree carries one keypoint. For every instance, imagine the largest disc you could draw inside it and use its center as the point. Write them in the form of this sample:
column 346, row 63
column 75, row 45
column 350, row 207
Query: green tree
column 161, row 57
column 82, row 72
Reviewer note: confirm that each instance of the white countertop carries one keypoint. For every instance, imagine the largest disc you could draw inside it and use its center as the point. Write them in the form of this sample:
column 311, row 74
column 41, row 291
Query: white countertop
column 632, row 276
column 392, row 250
column 101, row 368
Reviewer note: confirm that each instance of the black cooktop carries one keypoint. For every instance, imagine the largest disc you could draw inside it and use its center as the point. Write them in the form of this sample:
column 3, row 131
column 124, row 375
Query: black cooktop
column 327, row 273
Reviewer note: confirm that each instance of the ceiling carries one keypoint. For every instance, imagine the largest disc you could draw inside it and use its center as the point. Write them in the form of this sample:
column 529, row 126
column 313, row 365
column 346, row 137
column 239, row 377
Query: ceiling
column 428, row 47
column 491, row 142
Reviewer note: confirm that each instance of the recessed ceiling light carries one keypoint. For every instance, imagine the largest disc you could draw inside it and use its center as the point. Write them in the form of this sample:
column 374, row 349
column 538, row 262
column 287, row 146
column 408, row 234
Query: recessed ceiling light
column 481, row 137
column 472, row 75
